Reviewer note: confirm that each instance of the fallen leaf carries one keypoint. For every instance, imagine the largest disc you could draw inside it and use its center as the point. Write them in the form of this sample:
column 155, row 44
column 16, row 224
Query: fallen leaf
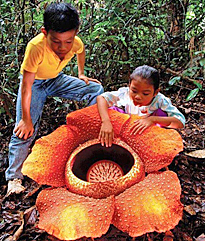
column 19, row 231
column 187, row 110
column 2, row 225
column 9, row 238
column 10, row 205
column 168, row 236
column 186, row 237
column 197, row 153
column 150, row 237
column 30, row 216
column 31, row 193
column 189, row 209
column 201, row 237
column 197, row 188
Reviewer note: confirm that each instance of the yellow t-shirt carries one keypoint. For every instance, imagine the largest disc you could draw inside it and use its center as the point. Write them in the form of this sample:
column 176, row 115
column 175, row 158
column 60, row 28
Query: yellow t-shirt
column 40, row 59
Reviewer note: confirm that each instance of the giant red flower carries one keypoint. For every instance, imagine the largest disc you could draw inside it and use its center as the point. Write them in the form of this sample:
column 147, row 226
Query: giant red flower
column 95, row 186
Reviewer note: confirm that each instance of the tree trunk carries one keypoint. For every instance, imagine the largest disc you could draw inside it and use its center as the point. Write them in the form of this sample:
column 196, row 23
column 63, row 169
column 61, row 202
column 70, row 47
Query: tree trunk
column 177, row 10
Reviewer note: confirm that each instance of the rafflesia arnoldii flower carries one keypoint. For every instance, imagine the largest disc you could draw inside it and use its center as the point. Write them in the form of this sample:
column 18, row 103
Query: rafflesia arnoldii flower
column 95, row 186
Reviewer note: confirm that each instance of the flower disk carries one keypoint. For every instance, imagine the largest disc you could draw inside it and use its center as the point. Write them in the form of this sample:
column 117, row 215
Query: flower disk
column 108, row 187
column 104, row 170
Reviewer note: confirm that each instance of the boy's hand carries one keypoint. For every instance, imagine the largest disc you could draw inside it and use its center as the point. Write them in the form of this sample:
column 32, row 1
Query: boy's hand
column 24, row 129
column 87, row 79
column 106, row 134
column 141, row 125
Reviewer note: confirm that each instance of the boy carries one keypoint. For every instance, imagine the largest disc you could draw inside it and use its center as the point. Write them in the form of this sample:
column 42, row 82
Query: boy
column 45, row 57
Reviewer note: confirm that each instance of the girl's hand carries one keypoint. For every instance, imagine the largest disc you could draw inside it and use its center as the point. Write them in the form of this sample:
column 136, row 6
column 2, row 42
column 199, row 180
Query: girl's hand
column 24, row 129
column 87, row 79
column 141, row 125
column 106, row 134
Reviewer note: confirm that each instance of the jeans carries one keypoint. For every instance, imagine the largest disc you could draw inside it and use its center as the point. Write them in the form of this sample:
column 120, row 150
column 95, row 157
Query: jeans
column 62, row 86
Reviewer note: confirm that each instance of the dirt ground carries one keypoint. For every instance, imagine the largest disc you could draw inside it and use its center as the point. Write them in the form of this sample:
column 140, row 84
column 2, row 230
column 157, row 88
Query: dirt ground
column 19, row 216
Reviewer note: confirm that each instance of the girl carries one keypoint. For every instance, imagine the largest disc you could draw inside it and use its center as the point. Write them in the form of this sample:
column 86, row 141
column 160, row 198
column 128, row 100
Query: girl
column 143, row 98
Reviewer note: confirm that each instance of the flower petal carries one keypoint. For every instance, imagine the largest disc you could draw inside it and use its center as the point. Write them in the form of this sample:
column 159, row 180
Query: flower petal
column 156, row 146
column 118, row 120
column 151, row 205
column 89, row 119
column 68, row 216
column 46, row 163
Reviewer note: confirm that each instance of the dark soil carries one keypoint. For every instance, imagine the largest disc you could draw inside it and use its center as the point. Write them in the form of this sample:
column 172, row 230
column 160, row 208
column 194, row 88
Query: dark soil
column 191, row 172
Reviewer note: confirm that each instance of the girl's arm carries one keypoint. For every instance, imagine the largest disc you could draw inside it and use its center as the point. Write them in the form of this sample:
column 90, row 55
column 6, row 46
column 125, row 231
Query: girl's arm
column 25, row 128
column 171, row 122
column 175, row 118
column 81, row 64
column 144, row 123
column 106, row 134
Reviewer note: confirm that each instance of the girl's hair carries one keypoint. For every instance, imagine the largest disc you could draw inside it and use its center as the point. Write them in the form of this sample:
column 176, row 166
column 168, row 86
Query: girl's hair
column 147, row 72
column 61, row 17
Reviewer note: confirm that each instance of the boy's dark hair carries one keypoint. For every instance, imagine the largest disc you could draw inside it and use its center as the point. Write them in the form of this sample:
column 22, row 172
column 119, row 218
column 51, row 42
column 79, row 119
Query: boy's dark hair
column 147, row 72
column 61, row 17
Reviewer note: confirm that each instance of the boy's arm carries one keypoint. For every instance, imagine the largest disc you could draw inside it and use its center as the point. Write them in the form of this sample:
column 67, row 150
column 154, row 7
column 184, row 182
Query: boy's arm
column 106, row 134
column 81, row 64
column 25, row 127
column 144, row 123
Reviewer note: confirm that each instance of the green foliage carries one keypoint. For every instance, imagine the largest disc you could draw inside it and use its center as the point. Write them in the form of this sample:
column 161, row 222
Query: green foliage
column 192, row 94
column 119, row 35
column 174, row 80
column 18, row 24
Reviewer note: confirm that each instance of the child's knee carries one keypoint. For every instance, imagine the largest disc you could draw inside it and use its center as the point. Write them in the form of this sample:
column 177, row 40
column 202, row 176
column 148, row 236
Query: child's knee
column 99, row 89
column 96, row 89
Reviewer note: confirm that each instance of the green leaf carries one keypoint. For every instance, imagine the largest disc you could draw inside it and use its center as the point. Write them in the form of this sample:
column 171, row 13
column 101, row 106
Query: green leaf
column 124, row 62
column 122, row 38
column 192, row 94
column 57, row 99
column 198, row 85
column 2, row 110
column 10, row 91
column 88, row 68
column 199, row 52
column 174, row 80
column 202, row 62
column 75, row 70
column 190, row 72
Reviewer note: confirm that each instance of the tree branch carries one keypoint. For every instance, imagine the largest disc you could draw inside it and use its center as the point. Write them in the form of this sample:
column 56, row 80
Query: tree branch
column 178, row 73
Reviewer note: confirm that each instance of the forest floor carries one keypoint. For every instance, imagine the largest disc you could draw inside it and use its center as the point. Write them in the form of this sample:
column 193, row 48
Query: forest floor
column 18, row 216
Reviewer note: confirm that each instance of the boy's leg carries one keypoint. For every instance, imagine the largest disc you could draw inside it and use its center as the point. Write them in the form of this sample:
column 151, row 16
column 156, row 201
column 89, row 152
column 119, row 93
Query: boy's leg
column 18, row 151
column 73, row 88
column 19, row 148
